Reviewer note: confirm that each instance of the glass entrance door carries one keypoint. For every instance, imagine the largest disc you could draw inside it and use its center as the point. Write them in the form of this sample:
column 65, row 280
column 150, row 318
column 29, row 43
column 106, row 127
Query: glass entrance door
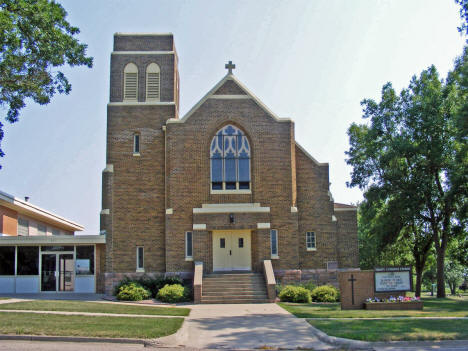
column 65, row 272
column 48, row 272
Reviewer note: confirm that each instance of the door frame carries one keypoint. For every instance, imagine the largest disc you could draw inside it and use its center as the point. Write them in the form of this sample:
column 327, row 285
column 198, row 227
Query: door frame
column 216, row 233
column 57, row 270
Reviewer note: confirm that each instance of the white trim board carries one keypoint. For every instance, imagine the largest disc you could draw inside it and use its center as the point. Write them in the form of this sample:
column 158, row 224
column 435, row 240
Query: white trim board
column 232, row 208
column 52, row 239
column 310, row 156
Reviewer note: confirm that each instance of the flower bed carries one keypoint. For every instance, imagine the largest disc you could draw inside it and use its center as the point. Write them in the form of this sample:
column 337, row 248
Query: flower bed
column 393, row 303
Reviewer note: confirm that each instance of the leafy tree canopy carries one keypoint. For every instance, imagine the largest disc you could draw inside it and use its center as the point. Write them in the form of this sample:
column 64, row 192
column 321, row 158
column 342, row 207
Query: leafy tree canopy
column 35, row 39
column 411, row 160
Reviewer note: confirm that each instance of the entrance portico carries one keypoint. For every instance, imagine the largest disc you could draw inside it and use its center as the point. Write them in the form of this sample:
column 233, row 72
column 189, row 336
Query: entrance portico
column 231, row 236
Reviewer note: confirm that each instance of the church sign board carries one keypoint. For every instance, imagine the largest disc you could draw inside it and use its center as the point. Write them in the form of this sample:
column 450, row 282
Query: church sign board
column 392, row 279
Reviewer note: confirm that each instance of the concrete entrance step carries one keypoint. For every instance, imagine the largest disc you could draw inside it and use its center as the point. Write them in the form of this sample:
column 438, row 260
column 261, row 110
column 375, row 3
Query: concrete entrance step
column 235, row 293
column 234, row 288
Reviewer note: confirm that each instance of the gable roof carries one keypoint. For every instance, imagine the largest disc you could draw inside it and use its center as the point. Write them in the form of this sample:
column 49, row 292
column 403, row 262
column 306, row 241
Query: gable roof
column 212, row 95
column 28, row 209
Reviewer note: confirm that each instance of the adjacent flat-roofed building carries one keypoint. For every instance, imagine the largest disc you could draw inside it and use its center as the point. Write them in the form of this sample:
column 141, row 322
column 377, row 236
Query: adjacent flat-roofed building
column 39, row 251
column 226, row 185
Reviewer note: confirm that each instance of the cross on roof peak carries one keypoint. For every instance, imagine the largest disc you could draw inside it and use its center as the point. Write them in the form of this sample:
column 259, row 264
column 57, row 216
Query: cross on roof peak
column 229, row 66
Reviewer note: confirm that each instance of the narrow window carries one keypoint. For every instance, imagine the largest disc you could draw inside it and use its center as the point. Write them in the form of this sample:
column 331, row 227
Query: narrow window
column 310, row 241
column 153, row 82
column 41, row 229
column 131, row 82
column 274, row 242
column 188, row 245
column 222, row 243
column 23, row 227
column 140, row 258
column 241, row 242
column 136, row 143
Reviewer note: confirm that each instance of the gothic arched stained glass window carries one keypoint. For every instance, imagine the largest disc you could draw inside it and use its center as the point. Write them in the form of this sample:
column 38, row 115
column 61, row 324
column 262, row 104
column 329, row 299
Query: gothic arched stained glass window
column 230, row 160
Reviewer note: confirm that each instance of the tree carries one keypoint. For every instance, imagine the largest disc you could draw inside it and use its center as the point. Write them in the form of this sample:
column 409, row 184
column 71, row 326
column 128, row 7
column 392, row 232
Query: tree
column 35, row 39
column 387, row 238
column 454, row 274
column 411, row 158
column 463, row 29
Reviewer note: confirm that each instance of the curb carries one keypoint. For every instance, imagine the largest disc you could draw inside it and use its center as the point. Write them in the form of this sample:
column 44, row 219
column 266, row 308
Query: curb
column 348, row 343
column 76, row 339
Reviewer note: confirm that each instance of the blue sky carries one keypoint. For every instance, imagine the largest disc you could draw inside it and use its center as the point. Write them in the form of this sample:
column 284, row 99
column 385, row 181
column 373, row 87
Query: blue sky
column 312, row 61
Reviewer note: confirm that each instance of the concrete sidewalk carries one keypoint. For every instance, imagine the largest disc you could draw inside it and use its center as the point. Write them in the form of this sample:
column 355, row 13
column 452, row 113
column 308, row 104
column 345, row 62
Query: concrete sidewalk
column 244, row 326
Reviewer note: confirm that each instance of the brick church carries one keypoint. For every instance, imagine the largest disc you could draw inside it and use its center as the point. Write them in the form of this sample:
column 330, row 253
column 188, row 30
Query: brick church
column 225, row 185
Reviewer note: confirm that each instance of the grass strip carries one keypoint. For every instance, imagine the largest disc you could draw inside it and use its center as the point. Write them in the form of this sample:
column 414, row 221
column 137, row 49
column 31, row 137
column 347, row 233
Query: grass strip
column 96, row 307
column 89, row 326
column 448, row 307
column 394, row 330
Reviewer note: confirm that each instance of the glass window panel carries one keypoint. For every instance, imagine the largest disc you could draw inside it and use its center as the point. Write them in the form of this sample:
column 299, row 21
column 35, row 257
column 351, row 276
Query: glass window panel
column 274, row 242
column 244, row 185
column 136, row 143
column 310, row 240
column 230, row 185
column 217, row 185
column 241, row 242
column 84, row 260
column 28, row 260
column 55, row 231
column 230, row 170
column 244, row 170
column 57, row 248
column 222, row 243
column 41, row 229
column 23, row 226
column 189, row 244
column 7, row 260
column 216, row 169
column 140, row 258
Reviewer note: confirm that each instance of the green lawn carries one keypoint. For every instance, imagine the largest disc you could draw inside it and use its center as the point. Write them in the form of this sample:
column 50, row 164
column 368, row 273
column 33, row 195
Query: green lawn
column 80, row 306
column 448, row 307
column 393, row 330
column 113, row 327
column 4, row 298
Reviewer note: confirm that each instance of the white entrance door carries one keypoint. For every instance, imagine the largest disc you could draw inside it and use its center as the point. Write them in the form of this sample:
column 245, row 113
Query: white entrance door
column 231, row 250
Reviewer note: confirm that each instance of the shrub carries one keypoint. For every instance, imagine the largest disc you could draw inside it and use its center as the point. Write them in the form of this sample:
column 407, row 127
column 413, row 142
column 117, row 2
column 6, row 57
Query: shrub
column 309, row 285
column 291, row 293
column 124, row 281
column 325, row 293
column 155, row 284
column 132, row 292
column 173, row 293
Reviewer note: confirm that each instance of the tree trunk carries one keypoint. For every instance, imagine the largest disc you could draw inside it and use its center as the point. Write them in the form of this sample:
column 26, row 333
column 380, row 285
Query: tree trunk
column 419, row 273
column 452, row 287
column 440, row 271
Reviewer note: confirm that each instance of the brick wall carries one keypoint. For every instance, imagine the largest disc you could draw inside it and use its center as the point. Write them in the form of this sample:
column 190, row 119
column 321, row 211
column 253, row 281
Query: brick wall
column 347, row 244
